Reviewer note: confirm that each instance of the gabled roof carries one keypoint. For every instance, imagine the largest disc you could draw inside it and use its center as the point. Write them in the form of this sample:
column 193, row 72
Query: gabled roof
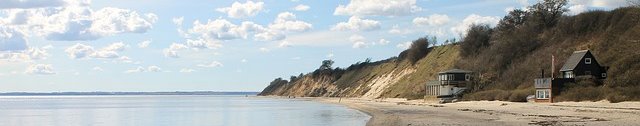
column 574, row 60
column 456, row 71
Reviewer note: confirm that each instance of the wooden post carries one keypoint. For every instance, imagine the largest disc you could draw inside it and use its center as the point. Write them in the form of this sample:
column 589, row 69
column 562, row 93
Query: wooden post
column 340, row 100
column 424, row 98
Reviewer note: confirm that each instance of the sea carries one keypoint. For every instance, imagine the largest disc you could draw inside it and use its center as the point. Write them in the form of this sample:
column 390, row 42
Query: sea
column 173, row 110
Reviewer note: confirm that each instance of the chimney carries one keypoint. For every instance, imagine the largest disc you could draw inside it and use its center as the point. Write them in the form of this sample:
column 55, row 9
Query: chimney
column 553, row 61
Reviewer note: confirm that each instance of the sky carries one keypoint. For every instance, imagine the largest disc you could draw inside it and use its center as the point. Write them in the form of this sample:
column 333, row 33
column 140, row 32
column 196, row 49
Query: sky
column 218, row 45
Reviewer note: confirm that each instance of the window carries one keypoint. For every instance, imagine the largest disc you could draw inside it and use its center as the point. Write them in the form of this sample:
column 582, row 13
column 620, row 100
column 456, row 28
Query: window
column 543, row 94
column 587, row 60
column 568, row 74
column 604, row 75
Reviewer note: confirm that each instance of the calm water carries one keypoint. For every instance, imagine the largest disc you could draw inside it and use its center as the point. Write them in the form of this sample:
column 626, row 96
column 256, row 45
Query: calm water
column 172, row 110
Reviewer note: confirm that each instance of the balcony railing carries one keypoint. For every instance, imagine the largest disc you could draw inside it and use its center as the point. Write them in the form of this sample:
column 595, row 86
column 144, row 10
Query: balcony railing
column 455, row 83
column 543, row 82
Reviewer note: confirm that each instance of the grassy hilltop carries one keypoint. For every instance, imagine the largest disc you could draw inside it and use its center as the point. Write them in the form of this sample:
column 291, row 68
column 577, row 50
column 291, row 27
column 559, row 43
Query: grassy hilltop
column 506, row 58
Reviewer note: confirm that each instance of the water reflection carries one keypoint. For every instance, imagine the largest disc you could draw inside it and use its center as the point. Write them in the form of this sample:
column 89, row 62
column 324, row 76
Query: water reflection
column 172, row 110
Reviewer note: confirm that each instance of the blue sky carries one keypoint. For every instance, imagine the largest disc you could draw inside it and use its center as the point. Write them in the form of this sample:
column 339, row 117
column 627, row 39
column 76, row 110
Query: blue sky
column 217, row 45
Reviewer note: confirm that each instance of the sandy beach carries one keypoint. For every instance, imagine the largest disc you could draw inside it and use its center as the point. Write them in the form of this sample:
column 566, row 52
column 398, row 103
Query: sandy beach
column 400, row 112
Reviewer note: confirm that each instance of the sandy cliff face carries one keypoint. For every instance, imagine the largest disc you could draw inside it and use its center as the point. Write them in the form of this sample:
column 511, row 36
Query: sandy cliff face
column 389, row 78
column 379, row 84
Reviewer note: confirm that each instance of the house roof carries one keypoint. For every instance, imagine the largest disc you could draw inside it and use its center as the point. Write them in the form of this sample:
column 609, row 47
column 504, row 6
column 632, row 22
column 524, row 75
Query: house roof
column 456, row 71
column 574, row 60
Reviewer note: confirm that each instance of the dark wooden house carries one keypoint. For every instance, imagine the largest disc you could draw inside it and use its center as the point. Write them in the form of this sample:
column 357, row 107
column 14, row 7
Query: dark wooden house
column 583, row 63
column 580, row 64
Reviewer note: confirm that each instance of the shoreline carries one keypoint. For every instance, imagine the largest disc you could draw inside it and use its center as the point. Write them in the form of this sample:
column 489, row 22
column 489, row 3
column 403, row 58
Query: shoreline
column 395, row 111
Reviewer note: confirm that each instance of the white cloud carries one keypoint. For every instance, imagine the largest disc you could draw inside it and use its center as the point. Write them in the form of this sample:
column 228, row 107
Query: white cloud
column 357, row 24
column 383, row 42
column 359, row 45
column 32, row 53
column 242, row 10
column 610, row 4
column 221, row 29
column 432, row 20
column 378, row 8
column 126, row 59
column 244, row 61
column 355, row 38
column 118, row 46
column 97, row 69
column 263, row 49
column 287, row 21
column 144, row 44
column 172, row 51
column 136, row 70
column 270, row 36
column 283, row 44
column 396, row 30
column 82, row 23
column 404, row 45
column 579, row 6
column 197, row 44
column 81, row 51
column 577, row 9
column 177, row 20
column 211, row 65
column 203, row 44
column 509, row 9
column 75, row 20
column 140, row 69
column 186, row 70
column 474, row 19
column 301, row 7
column 41, row 69
column 25, row 4
column 358, row 41
column 12, row 40
column 524, row 3
column 154, row 69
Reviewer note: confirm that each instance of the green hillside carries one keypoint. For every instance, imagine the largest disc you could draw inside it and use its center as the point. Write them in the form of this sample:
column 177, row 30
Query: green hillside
column 506, row 59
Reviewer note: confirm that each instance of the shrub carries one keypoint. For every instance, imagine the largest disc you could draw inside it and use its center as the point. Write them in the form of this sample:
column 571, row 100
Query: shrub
column 489, row 95
column 582, row 94
column 520, row 95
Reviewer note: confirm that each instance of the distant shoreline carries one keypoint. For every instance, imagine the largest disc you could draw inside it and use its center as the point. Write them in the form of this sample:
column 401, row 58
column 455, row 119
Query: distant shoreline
column 126, row 93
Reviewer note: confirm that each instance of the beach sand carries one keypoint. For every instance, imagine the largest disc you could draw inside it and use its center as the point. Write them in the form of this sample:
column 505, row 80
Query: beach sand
column 400, row 112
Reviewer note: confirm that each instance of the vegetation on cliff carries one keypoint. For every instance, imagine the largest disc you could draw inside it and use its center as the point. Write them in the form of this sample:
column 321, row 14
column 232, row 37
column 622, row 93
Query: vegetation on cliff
column 506, row 59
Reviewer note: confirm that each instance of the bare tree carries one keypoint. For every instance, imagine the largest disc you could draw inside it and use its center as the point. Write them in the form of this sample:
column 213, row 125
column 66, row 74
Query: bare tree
column 548, row 12
column 634, row 3
column 326, row 65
